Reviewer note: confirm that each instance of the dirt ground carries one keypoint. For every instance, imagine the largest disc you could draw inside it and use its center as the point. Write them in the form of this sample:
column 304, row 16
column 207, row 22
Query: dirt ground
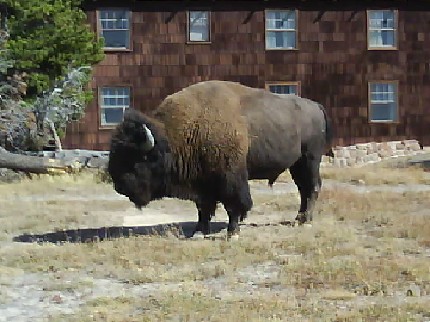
column 71, row 249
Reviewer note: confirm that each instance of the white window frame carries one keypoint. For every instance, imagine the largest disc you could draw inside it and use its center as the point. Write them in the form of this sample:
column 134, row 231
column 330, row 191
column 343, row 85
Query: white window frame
column 127, row 20
column 388, row 97
column 117, row 96
column 296, row 84
column 281, row 30
column 208, row 26
column 371, row 28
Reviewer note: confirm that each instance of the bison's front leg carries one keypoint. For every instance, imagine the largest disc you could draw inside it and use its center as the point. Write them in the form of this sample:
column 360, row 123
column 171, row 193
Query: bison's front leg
column 233, row 228
column 206, row 210
column 237, row 208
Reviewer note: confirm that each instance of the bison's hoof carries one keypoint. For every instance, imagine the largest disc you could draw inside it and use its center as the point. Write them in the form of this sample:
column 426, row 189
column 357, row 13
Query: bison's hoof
column 304, row 218
column 301, row 219
column 198, row 235
column 233, row 237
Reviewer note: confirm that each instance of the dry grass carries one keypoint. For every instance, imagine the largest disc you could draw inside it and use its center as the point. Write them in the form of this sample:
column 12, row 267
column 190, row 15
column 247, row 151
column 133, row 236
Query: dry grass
column 372, row 174
column 356, row 262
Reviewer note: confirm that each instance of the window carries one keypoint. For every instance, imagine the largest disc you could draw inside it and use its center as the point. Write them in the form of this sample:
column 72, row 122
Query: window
column 383, row 102
column 382, row 29
column 115, row 28
column 281, row 29
column 199, row 26
column 284, row 88
column 113, row 102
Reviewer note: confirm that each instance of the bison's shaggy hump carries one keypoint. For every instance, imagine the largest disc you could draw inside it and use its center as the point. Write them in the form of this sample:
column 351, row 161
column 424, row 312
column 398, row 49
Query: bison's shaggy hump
column 204, row 127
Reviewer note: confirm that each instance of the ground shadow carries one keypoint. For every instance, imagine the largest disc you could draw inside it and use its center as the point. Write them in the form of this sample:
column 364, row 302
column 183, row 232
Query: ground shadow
column 180, row 229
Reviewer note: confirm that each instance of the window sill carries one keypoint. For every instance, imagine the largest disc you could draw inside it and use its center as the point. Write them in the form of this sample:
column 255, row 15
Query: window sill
column 384, row 122
column 108, row 127
column 279, row 49
column 110, row 50
column 382, row 48
column 198, row 42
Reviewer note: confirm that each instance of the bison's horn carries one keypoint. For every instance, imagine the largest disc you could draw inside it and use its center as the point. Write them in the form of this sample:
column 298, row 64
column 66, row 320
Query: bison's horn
column 149, row 138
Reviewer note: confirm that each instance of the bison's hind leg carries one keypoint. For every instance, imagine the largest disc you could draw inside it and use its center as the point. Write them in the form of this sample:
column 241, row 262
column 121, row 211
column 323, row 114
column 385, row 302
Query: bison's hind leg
column 305, row 173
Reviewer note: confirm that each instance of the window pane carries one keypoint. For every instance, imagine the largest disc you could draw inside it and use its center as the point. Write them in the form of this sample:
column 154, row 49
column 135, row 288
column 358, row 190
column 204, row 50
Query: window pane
column 381, row 38
column 382, row 32
column 114, row 19
column 113, row 101
column 282, row 20
column 281, row 39
column 387, row 37
column 116, row 38
column 388, row 19
column 115, row 28
column 283, row 89
column 383, row 102
column 198, row 26
column 383, row 112
column 112, row 115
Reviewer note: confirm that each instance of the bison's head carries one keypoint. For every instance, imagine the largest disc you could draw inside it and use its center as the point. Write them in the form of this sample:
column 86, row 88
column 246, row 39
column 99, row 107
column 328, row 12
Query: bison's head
column 136, row 163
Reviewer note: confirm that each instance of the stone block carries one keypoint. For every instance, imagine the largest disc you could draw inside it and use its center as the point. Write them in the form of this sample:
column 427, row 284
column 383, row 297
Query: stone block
column 326, row 159
column 373, row 157
column 338, row 152
column 340, row 162
column 385, row 154
column 400, row 146
column 400, row 152
column 359, row 160
column 361, row 152
column 351, row 162
column 393, row 144
column 361, row 146
column 413, row 145
column 352, row 153
column 372, row 147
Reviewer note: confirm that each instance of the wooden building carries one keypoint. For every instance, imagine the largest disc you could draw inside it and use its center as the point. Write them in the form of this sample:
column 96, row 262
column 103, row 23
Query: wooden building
column 367, row 62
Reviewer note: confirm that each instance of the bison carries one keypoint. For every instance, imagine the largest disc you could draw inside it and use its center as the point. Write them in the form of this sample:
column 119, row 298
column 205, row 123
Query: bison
column 206, row 141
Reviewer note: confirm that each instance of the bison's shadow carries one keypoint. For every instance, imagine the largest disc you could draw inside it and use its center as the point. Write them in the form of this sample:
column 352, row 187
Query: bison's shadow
column 180, row 229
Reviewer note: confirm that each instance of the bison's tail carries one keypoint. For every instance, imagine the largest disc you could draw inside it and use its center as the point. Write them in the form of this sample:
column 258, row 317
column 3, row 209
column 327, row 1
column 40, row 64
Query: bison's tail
column 328, row 127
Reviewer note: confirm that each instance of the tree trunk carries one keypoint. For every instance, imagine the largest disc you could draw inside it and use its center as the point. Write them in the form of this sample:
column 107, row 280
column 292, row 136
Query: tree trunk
column 30, row 164
column 54, row 134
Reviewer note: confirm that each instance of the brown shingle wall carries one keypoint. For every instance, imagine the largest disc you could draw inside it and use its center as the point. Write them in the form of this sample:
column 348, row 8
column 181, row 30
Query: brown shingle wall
column 332, row 64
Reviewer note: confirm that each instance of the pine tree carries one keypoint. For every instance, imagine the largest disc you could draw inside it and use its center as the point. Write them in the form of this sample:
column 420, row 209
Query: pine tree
column 46, row 53
column 47, row 38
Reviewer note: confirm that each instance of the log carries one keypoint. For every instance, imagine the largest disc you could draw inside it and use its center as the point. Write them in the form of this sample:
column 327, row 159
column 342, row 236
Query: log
column 31, row 164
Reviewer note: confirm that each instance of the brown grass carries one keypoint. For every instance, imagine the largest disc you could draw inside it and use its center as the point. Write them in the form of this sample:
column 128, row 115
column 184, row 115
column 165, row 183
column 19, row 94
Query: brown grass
column 356, row 262
column 374, row 175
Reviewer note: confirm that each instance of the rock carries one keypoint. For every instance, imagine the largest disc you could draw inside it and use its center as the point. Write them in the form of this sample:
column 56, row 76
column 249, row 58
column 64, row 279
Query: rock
column 361, row 152
column 57, row 299
column 361, row 146
column 339, row 162
column 97, row 162
column 413, row 290
column 10, row 176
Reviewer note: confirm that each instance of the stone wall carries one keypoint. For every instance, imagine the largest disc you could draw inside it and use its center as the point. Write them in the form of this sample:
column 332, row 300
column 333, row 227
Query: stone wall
column 364, row 153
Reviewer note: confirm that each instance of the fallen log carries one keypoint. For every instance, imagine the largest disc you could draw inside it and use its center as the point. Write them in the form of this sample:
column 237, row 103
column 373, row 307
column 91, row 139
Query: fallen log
column 32, row 164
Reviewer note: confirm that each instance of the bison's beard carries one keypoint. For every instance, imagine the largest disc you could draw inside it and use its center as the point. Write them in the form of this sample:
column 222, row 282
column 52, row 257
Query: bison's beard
column 137, row 192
